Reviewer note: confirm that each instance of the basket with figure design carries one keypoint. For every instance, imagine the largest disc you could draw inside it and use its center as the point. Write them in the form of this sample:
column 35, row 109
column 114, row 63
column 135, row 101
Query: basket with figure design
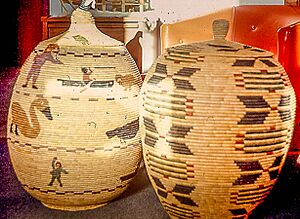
column 73, row 132
column 216, row 123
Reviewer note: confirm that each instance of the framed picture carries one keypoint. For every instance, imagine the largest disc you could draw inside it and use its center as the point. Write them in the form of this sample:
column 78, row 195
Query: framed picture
column 63, row 7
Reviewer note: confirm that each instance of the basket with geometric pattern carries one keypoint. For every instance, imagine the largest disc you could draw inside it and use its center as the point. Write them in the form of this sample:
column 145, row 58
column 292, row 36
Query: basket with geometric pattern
column 217, row 119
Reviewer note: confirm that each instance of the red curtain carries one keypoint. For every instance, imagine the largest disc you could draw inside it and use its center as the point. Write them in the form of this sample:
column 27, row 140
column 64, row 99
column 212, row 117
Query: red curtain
column 30, row 26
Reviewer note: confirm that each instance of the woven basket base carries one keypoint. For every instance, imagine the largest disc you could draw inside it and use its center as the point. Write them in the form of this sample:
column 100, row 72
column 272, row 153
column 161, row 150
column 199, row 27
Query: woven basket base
column 73, row 208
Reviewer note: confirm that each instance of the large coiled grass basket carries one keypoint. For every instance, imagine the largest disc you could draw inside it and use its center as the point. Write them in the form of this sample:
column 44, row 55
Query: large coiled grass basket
column 216, row 123
column 73, row 128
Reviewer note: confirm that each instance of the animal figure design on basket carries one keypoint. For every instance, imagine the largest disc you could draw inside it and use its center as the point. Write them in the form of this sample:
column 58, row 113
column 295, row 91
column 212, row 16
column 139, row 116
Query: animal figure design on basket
column 81, row 39
column 127, row 81
column 38, row 61
column 125, row 132
column 56, row 172
column 29, row 126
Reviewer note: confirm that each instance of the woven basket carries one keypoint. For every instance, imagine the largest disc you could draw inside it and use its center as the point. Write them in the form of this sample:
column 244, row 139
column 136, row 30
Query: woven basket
column 216, row 123
column 73, row 131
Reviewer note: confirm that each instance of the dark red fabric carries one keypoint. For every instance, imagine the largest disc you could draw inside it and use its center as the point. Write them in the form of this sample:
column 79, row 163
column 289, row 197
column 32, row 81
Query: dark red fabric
column 30, row 26
column 45, row 8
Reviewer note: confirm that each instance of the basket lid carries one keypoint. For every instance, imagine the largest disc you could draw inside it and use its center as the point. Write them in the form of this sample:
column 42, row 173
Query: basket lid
column 219, row 46
column 83, row 31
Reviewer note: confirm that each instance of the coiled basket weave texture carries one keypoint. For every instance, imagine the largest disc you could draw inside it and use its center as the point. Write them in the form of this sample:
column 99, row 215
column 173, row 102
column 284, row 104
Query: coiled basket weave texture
column 73, row 126
column 216, row 123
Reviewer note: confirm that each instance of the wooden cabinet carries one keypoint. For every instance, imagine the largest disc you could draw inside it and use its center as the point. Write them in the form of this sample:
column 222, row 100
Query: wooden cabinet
column 127, row 30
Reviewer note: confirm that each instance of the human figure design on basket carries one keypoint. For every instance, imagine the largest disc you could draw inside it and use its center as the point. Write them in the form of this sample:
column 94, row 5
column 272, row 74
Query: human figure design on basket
column 38, row 61
column 56, row 172
column 86, row 77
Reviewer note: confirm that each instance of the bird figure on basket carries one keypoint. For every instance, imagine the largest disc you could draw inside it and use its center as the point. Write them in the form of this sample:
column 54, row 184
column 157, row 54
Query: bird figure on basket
column 29, row 125
column 127, row 131
column 81, row 39
column 56, row 172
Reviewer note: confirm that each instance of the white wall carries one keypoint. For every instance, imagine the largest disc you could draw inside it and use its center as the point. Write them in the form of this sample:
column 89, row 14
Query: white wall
column 170, row 12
